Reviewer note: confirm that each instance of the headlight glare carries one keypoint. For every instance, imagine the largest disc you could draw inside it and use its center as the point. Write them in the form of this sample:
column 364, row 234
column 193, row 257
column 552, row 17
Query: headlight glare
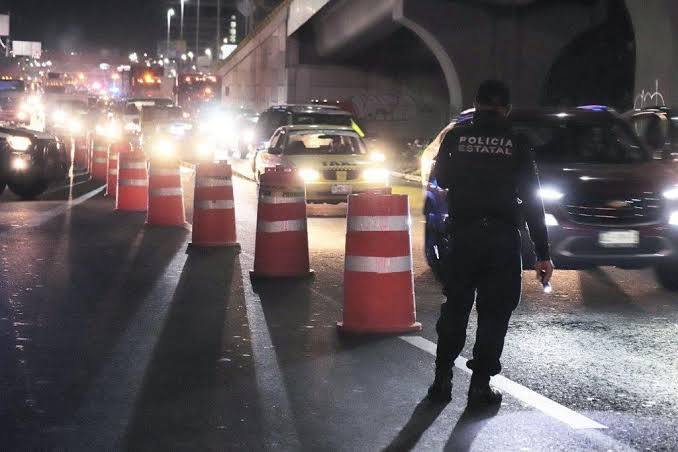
column 673, row 219
column 550, row 194
column 309, row 174
column 19, row 143
column 671, row 194
column 377, row 157
column 163, row 148
column 550, row 220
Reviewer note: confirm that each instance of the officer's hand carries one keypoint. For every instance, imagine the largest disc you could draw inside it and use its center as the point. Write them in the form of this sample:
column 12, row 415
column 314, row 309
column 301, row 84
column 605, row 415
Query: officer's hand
column 544, row 271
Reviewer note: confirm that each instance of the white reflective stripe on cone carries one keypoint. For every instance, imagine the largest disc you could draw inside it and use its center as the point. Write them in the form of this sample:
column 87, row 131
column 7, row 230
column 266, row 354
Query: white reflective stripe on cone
column 379, row 223
column 133, row 182
column 100, row 160
column 213, row 182
column 165, row 172
column 281, row 199
column 372, row 264
column 281, row 226
column 166, row 191
column 214, row 204
column 113, row 172
column 133, row 165
column 113, row 157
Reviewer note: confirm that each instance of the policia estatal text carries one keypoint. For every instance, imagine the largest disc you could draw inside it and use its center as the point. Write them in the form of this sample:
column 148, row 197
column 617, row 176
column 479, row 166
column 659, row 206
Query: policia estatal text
column 493, row 187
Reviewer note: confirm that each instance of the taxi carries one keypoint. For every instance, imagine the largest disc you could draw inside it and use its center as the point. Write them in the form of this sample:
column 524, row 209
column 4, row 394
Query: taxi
column 333, row 161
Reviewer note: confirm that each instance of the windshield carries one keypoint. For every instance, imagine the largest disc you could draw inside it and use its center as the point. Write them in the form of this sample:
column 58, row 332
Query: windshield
column 581, row 142
column 324, row 142
column 320, row 118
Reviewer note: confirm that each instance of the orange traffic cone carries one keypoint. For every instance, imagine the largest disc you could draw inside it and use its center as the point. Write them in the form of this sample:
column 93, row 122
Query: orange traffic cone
column 165, row 194
column 81, row 153
column 114, row 151
column 281, row 248
column 213, row 208
column 378, row 280
column 99, row 159
column 132, row 194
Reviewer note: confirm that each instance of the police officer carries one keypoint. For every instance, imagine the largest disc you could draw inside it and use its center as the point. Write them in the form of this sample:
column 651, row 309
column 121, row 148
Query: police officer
column 493, row 187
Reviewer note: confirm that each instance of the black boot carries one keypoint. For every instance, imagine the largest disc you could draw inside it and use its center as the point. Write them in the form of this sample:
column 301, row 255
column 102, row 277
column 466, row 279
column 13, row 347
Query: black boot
column 441, row 389
column 481, row 394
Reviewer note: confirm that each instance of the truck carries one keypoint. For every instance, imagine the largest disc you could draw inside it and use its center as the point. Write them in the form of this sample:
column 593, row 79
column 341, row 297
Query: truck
column 148, row 81
column 195, row 90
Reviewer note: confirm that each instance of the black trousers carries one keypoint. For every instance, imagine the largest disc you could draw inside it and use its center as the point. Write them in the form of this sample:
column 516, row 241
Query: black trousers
column 483, row 266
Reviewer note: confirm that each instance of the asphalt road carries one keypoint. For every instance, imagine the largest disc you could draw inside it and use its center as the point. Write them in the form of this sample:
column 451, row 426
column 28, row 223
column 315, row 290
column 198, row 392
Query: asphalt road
column 114, row 337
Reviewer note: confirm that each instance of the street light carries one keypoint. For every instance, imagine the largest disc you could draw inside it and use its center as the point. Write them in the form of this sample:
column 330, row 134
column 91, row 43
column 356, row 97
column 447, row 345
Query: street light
column 208, row 52
column 190, row 55
column 170, row 13
column 181, row 20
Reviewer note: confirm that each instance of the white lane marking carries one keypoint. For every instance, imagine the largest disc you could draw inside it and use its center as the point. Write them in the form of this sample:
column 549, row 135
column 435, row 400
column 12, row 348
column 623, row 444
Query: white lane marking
column 280, row 430
column 44, row 217
column 545, row 405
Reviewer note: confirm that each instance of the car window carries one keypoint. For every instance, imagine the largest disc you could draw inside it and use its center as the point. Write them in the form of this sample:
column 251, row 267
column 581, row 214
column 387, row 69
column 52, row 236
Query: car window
column 652, row 128
column 324, row 142
column 269, row 122
column 320, row 118
column 581, row 142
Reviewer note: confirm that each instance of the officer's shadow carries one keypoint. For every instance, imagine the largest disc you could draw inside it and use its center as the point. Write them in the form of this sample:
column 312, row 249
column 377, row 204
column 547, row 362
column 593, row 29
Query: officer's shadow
column 470, row 423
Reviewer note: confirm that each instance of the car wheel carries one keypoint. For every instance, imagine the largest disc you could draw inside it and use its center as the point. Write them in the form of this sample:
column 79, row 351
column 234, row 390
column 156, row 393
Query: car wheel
column 667, row 275
column 28, row 191
column 2, row 187
column 435, row 247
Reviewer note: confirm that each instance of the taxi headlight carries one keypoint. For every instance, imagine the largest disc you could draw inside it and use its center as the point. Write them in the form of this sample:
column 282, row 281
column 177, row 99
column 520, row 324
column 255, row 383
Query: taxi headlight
column 377, row 157
column 376, row 175
column 19, row 143
column 163, row 148
column 19, row 164
column 309, row 174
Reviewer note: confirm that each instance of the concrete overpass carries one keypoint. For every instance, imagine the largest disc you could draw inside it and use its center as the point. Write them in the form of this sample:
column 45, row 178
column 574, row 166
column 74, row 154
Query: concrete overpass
column 407, row 66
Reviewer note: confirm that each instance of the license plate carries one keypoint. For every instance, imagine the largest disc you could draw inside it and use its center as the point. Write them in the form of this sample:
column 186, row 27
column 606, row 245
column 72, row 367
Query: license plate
column 340, row 189
column 619, row 239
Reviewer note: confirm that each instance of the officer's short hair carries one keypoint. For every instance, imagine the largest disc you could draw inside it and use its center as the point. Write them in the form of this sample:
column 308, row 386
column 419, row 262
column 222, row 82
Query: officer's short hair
column 493, row 93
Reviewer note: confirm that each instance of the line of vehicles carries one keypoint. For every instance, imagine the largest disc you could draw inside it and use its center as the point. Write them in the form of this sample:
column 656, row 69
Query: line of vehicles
column 609, row 181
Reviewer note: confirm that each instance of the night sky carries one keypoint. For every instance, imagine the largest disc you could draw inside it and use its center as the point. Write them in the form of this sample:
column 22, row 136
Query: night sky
column 87, row 24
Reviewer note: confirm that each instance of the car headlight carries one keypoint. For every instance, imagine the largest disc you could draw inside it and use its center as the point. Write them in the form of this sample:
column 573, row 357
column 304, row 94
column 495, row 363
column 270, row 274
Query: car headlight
column 248, row 136
column 59, row 116
column 75, row 126
column 550, row 194
column 204, row 150
column 377, row 157
column 309, row 174
column 671, row 194
column 22, row 116
column 19, row 164
column 19, row 143
column 673, row 219
column 376, row 175
column 550, row 220
column 163, row 148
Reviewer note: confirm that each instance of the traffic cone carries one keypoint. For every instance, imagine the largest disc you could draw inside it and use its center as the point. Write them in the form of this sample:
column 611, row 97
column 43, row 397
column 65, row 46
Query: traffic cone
column 213, row 208
column 132, row 192
column 99, row 159
column 165, row 194
column 378, row 280
column 81, row 152
column 281, row 248
column 114, row 151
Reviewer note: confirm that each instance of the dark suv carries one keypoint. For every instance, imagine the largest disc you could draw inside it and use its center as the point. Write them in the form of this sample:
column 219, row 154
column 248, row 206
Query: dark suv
column 290, row 115
column 607, row 200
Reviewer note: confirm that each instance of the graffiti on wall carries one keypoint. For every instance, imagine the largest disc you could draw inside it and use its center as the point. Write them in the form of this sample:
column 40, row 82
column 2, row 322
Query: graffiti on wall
column 649, row 98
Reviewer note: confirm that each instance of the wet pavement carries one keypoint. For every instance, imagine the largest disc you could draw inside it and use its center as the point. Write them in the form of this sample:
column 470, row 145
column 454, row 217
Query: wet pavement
column 114, row 337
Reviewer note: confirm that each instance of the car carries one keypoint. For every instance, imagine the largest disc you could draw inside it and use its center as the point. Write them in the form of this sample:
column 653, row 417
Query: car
column 30, row 161
column 283, row 115
column 333, row 161
column 608, row 202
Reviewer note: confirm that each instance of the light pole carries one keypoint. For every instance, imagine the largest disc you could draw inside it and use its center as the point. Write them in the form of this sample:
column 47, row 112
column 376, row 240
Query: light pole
column 170, row 13
column 197, row 27
column 181, row 20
